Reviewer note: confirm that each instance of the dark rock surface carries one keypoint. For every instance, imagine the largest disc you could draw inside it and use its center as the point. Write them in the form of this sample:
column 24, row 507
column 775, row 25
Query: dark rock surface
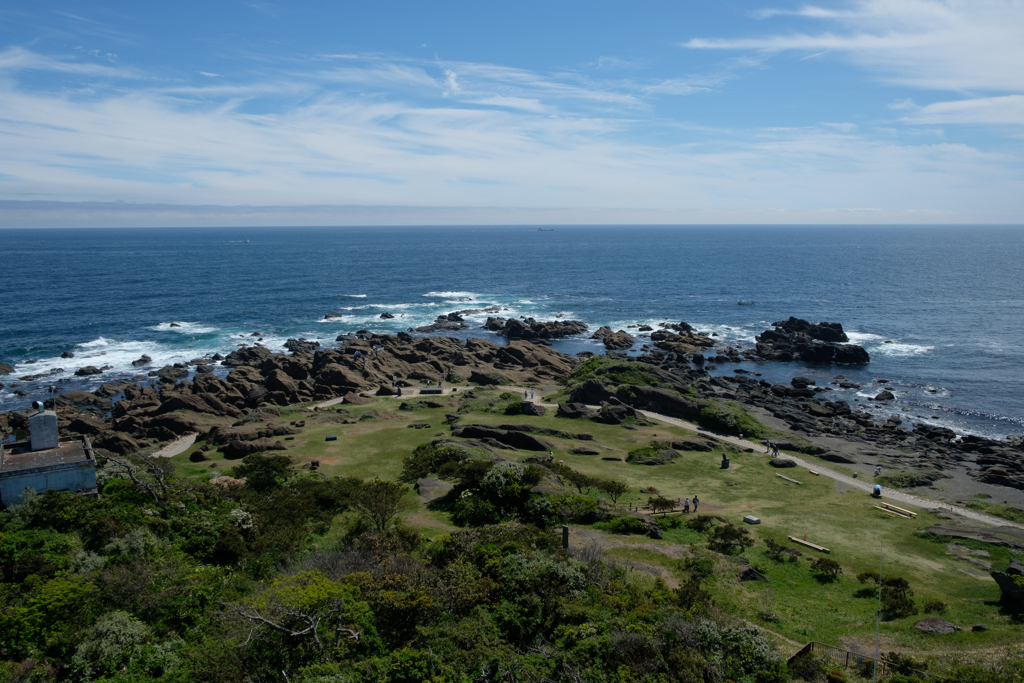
column 618, row 341
column 531, row 329
column 87, row 371
column 797, row 339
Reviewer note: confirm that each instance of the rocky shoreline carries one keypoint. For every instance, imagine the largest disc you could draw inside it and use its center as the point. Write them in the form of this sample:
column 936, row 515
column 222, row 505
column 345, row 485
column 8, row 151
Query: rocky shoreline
column 124, row 417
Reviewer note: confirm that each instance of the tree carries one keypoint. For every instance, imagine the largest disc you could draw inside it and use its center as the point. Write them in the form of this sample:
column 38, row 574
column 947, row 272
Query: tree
column 378, row 500
column 614, row 489
column 827, row 568
column 264, row 471
column 582, row 482
column 728, row 537
column 305, row 606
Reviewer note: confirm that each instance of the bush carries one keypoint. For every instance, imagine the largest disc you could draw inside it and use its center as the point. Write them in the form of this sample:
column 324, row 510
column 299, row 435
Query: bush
column 643, row 453
column 827, row 568
column 430, row 458
column 903, row 480
column 572, row 508
column 934, row 607
column 661, row 504
column 732, row 418
column 626, row 525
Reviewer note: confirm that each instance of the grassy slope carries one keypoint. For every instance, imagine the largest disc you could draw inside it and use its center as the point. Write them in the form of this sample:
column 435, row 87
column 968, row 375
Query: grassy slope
column 845, row 522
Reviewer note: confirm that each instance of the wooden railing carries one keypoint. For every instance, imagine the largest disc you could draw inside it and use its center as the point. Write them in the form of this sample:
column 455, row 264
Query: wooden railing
column 835, row 655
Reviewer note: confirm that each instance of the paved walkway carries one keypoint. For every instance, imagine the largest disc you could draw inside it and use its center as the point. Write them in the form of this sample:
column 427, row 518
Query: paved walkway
column 179, row 445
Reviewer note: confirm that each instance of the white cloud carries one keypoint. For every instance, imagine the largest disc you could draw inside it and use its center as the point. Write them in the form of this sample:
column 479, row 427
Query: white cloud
column 1008, row 109
column 209, row 74
column 376, row 132
column 936, row 44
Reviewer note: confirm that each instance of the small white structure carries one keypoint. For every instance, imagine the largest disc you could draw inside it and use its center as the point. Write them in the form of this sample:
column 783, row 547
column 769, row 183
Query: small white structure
column 43, row 463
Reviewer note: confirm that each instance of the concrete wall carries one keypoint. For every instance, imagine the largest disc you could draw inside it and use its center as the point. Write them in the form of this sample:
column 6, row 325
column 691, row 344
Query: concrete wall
column 79, row 478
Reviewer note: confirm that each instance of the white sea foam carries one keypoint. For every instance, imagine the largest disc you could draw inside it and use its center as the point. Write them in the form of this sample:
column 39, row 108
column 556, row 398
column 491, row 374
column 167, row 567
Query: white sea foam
column 450, row 295
column 863, row 338
column 897, row 350
column 355, row 296
column 182, row 327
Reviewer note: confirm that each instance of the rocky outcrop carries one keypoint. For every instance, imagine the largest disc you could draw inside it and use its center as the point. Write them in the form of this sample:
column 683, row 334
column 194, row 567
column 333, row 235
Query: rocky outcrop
column 601, row 333
column 5, row 369
column 797, row 339
column 302, row 345
column 449, row 321
column 618, row 341
column 531, row 329
column 516, row 439
column 87, row 371
column 684, row 341
column 249, row 355
column 935, row 625
column 1012, row 592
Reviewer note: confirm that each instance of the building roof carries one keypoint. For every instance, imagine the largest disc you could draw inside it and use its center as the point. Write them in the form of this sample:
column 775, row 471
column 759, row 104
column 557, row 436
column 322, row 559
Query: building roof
column 19, row 456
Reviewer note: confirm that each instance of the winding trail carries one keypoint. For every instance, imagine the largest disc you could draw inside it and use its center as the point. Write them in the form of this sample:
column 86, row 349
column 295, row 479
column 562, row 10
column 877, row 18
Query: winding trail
column 889, row 494
column 179, row 445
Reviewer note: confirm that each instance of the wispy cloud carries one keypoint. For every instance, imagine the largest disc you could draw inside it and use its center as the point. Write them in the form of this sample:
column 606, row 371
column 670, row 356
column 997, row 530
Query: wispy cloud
column 936, row 44
column 373, row 129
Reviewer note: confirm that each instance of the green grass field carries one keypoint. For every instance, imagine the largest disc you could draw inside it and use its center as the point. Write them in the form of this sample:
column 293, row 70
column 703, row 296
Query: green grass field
column 845, row 521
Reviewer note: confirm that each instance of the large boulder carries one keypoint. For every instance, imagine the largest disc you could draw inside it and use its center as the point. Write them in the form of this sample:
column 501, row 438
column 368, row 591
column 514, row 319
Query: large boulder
column 664, row 401
column 1013, row 592
column 5, row 369
column 534, row 409
column 797, row 339
column 935, row 625
column 618, row 341
column 575, row 411
column 87, row 371
column 531, row 329
column 591, row 392
column 249, row 355
column 601, row 333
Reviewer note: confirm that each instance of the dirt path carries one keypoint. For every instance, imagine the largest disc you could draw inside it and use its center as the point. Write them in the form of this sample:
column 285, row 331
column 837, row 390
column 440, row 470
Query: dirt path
column 889, row 494
column 179, row 445
column 861, row 485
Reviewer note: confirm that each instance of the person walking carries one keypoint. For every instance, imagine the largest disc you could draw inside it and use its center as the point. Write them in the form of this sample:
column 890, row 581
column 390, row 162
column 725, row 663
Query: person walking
column 767, row 446
column 526, row 395
column 531, row 394
column 695, row 504
column 686, row 506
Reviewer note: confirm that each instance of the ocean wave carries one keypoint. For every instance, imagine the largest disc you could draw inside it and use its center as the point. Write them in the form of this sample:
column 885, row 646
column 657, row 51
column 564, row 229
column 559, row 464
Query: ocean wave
column 443, row 294
column 182, row 327
column 354, row 296
column 897, row 350
column 863, row 338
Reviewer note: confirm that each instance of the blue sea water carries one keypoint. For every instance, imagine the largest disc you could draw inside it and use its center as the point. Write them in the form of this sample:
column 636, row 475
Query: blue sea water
column 940, row 309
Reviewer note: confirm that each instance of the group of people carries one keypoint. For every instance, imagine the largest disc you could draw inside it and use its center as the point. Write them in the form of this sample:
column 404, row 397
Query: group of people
column 772, row 448
column 686, row 504
column 528, row 395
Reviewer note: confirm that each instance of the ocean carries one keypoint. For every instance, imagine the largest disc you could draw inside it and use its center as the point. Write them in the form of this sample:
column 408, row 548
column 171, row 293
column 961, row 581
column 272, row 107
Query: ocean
column 940, row 309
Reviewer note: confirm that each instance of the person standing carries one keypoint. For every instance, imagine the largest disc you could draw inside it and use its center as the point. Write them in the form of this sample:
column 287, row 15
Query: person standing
column 531, row 394
column 686, row 506
column 695, row 504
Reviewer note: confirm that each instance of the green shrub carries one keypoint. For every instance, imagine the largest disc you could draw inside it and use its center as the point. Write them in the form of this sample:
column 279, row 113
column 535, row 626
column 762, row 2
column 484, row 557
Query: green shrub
column 643, row 453
column 732, row 418
column 902, row 480
column 934, row 607
column 625, row 525
column 568, row 507
column 431, row 458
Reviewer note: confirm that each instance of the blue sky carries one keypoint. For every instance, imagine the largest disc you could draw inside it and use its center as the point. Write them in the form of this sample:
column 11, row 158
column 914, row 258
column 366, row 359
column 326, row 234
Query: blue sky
column 853, row 111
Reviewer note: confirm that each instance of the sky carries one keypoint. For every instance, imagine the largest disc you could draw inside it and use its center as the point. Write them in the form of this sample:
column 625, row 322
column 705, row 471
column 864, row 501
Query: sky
column 229, row 112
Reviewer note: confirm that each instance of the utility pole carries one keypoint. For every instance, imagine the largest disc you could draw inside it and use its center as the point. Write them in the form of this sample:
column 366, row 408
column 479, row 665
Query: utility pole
column 878, row 613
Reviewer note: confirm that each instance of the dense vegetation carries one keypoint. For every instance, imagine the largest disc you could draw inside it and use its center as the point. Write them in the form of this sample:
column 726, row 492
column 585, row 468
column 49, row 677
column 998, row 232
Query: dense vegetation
column 173, row 580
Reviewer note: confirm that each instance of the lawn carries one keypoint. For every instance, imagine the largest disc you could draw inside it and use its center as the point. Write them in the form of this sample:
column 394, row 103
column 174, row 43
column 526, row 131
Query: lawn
column 845, row 521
